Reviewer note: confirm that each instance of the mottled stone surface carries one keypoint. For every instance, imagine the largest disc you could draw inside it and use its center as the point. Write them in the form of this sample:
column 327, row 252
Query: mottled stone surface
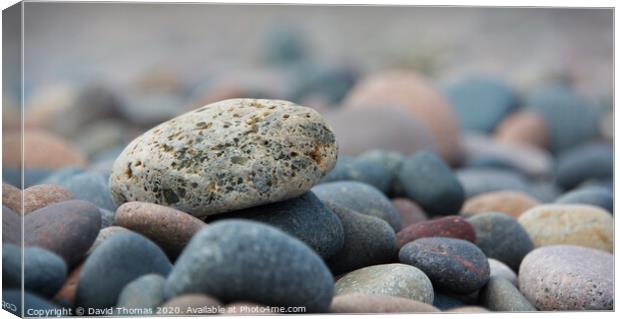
column 169, row 228
column 243, row 260
column 115, row 263
column 367, row 241
column 366, row 303
column 361, row 198
column 305, row 218
column 501, row 237
column 512, row 203
column 499, row 269
column 410, row 212
column 396, row 280
column 143, row 292
column 449, row 226
column 39, row 196
column 428, row 181
column 565, row 277
column 67, row 228
column 570, row 224
column 44, row 271
column 226, row 156
column 500, row 294
column 589, row 195
column 11, row 197
column 452, row 264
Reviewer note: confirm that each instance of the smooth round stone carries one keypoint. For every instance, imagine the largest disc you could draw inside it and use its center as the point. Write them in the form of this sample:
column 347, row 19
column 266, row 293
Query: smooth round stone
column 531, row 161
column 119, row 260
column 361, row 170
column 449, row 226
column 477, row 181
column 412, row 93
column 361, row 198
column 233, row 256
column 360, row 130
column 92, row 187
column 67, row 228
column 500, row 294
column 481, row 102
column 364, row 303
column 589, row 195
column 39, row 196
column 523, row 128
column 410, row 212
column 169, row 228
column 455, row 265
column 499, row 269
column 428, row 181
column 11, row 226
column 43, row 150
column 501, row 237
column 396, row 280
column 367, row 241
column 32, row 302
column 589, row 161
column 11, row 197
column 226, row 156
column 69, row 287
column 569, row 224
column 44, row 271
column 305, row 218
column 571, row 119
column 104, row 234
column 390, row 160
column 512, row 203
column 568, row 277
column 191, row 304
column 143, row 292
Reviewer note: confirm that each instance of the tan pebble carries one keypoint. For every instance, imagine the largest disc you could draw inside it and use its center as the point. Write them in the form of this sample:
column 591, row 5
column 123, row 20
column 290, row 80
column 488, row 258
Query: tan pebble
column 523, row 127
column 513, row 203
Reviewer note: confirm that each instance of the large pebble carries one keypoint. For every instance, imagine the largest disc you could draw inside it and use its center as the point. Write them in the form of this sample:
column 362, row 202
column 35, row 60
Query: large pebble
column 589, row 195
column 499, row 269
column 39, row 196
column 361, row 198
column 523, row 128
column 364, row 303
column 501, row 237
column 570, row 224
column 512, row 203
column 412, row 93
column 396, row 280
column 226, row 156
column 91, row 186
column 428, row 181
column 410, row 212
column 367, row 241
column 449, row 226
column 589, row 161
column 454, row 265
column 565, row 277
column 242, row 260
column 501, row 295
column 44, row 272
column 145, row 292
column 66, row 228
column 169, row 228
column 115, row 263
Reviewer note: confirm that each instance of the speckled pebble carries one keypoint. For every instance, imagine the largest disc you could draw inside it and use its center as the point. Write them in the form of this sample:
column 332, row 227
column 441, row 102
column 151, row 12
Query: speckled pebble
column 39, row 196
column 365, row 303
column 226, row 156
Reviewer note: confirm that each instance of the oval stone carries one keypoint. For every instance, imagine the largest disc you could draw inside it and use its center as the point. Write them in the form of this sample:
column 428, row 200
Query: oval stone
column 523, row 128
column 362, row 303
column 580, row 225
column 449, row 226
column 116, row 262
column 143, row 292
column 361, row 170
column 588, row 161
column 39, row 196
column 512, row 203
column 226, row 156
column 428, row 181
column 455, row 265
column 250, row 261
column 67, row 228
column 501, row 295
column 367, row 241
column 483, row 180
column 361, row 198
column 566, row 277
column 44, row 272
column 410, row 212
column 501, row 237
column 396, row 280
column 590, row 195
column 91, row 186
column 169, row 228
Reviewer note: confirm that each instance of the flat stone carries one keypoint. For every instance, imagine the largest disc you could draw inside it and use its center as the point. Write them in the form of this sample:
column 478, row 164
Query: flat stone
column 233, row 256
column 246, row 160
column 449, row 226
column 396, row 280
column 362, row 303
column 500, row 294
column 512, row 203
column 566, row 278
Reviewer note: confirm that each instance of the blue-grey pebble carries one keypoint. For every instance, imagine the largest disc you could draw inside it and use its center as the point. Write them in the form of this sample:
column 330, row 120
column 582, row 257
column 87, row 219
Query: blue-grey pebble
column 305, row 218
column 143, row 292
column 361, row 170
column 428, row 181
column 107, row 218
column 360, row 197
column 63, row 174
column 391, row 161
column 44, row 271
column 117, row 261
column 590, row 195
column 590, row 161
column 483, row 180
column 445, row 301
column 236, row 260
column 92, row 187
column 500, row 294
column 32, row 176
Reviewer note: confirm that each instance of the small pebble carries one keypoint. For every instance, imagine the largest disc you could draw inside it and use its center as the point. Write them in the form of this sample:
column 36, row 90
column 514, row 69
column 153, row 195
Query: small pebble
column 410, row 212
column 39, row 196
column 523, row 128
column 585, row 162
column 449, row 226
column 589, row 195
column 512, row 203
column 476, row 181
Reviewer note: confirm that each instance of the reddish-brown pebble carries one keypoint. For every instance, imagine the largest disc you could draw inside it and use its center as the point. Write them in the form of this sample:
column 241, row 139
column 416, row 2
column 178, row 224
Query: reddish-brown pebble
column 410, row 212
column 362, row 303
column 449, row 226
column 67, row 292
column 11, row 197
column 39, row 196
column 41, row 150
